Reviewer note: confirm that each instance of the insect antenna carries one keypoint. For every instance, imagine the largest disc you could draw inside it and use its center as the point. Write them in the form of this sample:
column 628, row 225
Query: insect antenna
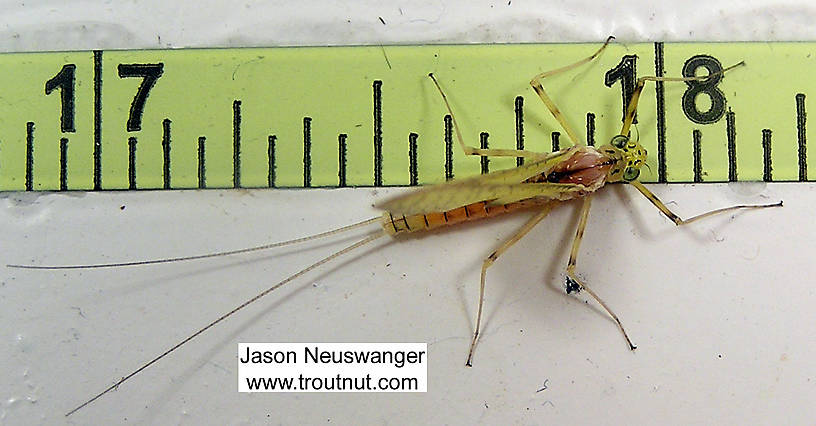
column 203, row 256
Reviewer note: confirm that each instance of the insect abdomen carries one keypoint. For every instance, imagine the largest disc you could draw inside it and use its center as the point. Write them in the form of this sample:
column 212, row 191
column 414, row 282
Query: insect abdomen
column 400, row 224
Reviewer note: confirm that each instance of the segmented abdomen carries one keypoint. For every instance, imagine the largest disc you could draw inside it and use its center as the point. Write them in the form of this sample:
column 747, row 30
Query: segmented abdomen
column 400, row 224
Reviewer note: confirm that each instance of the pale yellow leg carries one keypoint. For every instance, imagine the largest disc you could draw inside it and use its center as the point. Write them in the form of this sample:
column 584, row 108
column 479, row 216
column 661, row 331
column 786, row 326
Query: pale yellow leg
column 469, row 150
column 678, row 221
column 539, row 89
column 492, row 258
column 573, row 283
column 627, row 122
column 641, row 82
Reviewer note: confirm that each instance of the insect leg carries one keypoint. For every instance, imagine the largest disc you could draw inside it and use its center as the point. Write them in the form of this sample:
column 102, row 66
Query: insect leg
column 641, row 82
column 573, row 283
column 492, row 258
column 469, row 150
column 678, row 221
column 539, row 89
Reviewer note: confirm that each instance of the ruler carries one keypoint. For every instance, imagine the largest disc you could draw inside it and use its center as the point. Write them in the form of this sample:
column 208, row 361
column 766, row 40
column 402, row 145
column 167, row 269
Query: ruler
column 369, row 116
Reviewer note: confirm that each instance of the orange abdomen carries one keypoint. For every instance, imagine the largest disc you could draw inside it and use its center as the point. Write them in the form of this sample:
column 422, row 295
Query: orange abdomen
column 394, row 225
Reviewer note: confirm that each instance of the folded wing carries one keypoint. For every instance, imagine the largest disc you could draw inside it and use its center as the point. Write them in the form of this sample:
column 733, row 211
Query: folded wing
column 501, row 187
column 448, row 197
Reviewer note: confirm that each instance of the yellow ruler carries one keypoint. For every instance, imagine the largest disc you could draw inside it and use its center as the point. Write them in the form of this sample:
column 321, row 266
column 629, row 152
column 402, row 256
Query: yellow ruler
column 369, row 116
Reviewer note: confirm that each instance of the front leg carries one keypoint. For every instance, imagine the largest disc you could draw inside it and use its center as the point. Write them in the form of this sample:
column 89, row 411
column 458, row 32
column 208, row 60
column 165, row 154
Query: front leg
column 679, row 221
column 469, row 150
column 554, row 110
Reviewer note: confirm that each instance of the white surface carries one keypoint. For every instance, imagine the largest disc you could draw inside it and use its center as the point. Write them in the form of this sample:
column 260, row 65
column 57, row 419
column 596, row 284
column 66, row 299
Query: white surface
column 722, row 312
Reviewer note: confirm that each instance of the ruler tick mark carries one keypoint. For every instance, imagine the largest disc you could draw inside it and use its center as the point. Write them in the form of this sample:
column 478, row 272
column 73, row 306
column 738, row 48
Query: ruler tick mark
column 29, row 170
column 166, row 153
column 413, row 173
column 590, row 126
column 801, row 133
column 660, row 94
column 484, row 160
column 132, row 162
column 270, row 164
column 731, row 137
column 767, row 170
column 63, row 164
column 341, row 159
column 696, row 136
column 236, row 144
column 378, row 155
column 307, row 152
column 448, row 137
column 519, row 113
column 97, row 121
column 202, row 170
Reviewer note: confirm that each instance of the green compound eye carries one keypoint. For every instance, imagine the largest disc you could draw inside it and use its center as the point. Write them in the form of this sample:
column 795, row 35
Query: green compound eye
column 619, row 141
column 630, row 174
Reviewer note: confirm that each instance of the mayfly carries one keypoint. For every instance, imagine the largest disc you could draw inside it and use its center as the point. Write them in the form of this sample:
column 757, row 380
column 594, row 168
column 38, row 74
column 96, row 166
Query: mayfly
column 539, row 185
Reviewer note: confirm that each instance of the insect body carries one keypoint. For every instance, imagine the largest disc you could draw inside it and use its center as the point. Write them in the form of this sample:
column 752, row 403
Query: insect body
column 539, row 185
column 561, row 176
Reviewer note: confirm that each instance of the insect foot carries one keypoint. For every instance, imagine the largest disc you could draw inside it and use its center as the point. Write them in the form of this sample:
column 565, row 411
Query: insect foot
column 572, row 286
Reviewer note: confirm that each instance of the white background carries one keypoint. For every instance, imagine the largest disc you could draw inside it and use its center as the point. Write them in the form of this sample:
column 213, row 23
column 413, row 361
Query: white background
column 722, row 312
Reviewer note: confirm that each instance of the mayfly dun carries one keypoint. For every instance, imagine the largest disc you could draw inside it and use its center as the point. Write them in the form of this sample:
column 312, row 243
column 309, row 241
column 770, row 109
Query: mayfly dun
column 539, row 185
